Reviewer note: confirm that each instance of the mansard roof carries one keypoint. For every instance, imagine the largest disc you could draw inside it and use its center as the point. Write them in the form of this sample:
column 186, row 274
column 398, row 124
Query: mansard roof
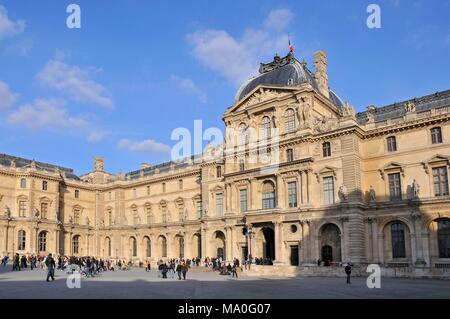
column 282, row 72
column 398, row 110
column 20, row 162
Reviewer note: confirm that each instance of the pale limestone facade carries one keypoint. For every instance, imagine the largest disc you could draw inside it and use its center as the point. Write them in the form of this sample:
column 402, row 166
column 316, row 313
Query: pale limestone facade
column 369, row 187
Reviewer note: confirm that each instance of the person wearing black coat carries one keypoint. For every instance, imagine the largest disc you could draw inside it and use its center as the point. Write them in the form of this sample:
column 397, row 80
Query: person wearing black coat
column 184, row 270
column 348, row 271
column 179, row 270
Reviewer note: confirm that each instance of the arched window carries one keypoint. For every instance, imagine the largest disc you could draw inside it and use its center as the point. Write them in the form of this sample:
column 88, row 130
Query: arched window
column 181, row 243
column 265, row 128
column 289, row 121
column 108, row 246
column 326, row 147
column 443, row 234
column 76, row 244
column 398, row 240
column 42, row 241
column 21, row 240
column 268, row 195
column 133, row 246
column 163, row 247
column 148, row 247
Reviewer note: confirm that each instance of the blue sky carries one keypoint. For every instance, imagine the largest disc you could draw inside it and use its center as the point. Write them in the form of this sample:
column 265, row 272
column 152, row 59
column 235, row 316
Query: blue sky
column 136, row 70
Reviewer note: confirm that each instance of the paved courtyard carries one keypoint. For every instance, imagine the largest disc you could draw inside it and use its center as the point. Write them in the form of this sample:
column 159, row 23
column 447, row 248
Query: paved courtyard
column 137, row 283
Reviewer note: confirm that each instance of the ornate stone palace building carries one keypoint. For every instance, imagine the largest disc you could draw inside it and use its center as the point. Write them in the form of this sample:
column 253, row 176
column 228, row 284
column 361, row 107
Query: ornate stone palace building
column 368, row 187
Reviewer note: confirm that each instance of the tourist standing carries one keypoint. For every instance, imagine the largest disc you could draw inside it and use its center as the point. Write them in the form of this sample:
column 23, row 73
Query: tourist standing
column 184, row 270
column 16, row 262
column 348, row 271
column 50, row 263
column 179, row 270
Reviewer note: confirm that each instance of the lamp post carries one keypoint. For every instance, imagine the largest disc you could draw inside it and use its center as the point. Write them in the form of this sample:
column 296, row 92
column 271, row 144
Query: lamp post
column 248, row 234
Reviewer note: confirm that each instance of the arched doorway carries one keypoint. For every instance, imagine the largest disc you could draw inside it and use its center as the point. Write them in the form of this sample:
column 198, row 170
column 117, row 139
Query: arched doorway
column 197, row 245
column 330, row 243
column 219, row 245
column 162, row 245
column 268, row 243
column 147, row 247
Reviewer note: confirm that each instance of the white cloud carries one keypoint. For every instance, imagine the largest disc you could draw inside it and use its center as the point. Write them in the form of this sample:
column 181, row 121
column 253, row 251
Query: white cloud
column 46, row 114
column 9, row 28
column 143, row 146
column 189, row 86
column 95, row 136
column 279, row 19
column 74, row 81
column 238, row 58
column 7, row 98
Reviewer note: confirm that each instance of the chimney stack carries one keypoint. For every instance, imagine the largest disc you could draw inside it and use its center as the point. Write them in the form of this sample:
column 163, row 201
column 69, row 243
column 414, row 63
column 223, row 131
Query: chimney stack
column 321, row 76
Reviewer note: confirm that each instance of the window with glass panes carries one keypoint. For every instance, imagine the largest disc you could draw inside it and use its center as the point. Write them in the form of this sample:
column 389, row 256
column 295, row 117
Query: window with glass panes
column 265, row 128
column 289, row 124
column 44, row 210
column 149, row 215
column 181, row 216
column 290, row 155
column 326, row 147
column 44, row 185
column 76, row 216
column 292, row 194
column 23, row 183
column 395, row 190
column 391, row 144
column 436, row 135
column 219, row 171
column 243, row 200
column 328, row 190
column 22, row 208
column 398, row 240
column 219, row 204
column 21, row 240
column 268, row 195
column 440, row 181
column 199, row 209
column 164, row 214
column 443, row 234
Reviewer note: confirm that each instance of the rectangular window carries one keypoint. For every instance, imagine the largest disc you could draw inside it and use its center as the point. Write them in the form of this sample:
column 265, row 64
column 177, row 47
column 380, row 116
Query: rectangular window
column 148, row 190
column 181, row 216
column 164, row 214
column 326, row 147
column 391, row 144
column 219, row 171
column 290, row 155
column 134, row 192
column 44, row 210
column 180, row 184
column 199, row 209
column 395, row 190
column 328, row 190
column 164, row 187
column 23, row 183
column 77, row 193
column 109, row 195
column 440, row 181
column 241, row 165
column 22, row 208
column 243, row 200
column 76, row 217
column 149, row 215
column 219, row 204
column 292, row 194
column 436, row 135
column 44, row 185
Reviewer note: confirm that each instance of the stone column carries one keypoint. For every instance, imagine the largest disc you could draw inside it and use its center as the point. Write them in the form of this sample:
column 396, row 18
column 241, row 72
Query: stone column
column 203, row 240
column 278, row 242
column 280, row 192
column 253, row 194
column 301, row 187
column 308, row 186
column 374, row 240
column 416, row 218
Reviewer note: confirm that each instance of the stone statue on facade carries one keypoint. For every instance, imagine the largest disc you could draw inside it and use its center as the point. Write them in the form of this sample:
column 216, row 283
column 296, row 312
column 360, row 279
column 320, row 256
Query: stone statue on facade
column 36, row 213
column 415, row 189
column 372, row 194
column 410, row 107
column 343, row 193
column 348, row 110
column 99, row 164
column 13, row 164
column 7, row 212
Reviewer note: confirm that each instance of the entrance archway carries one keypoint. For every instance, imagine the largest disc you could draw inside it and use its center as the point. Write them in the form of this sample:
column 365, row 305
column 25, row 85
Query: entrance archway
column 330, row 243
column 268, row 243
column 219, row 245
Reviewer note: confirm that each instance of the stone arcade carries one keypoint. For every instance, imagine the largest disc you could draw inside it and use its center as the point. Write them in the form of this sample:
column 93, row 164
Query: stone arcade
column 346, row 189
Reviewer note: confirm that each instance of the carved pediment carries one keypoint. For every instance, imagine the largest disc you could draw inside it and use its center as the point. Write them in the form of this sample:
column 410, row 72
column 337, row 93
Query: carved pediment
column 436, row 160
column 327, row 170
column 392, row 167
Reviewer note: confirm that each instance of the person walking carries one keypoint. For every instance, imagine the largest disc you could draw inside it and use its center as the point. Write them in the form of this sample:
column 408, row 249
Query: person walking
column 179, row 270
column 16, row 262
column 50, row 263
column 348, row 271
column 184, row 270
column 234, row 271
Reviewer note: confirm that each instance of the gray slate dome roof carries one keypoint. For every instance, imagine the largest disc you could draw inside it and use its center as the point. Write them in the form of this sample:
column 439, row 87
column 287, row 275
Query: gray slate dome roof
column 286, row 71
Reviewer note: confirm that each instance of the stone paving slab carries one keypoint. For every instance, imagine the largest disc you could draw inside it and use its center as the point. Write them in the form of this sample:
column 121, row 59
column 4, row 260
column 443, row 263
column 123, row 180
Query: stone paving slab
column 136, row 283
